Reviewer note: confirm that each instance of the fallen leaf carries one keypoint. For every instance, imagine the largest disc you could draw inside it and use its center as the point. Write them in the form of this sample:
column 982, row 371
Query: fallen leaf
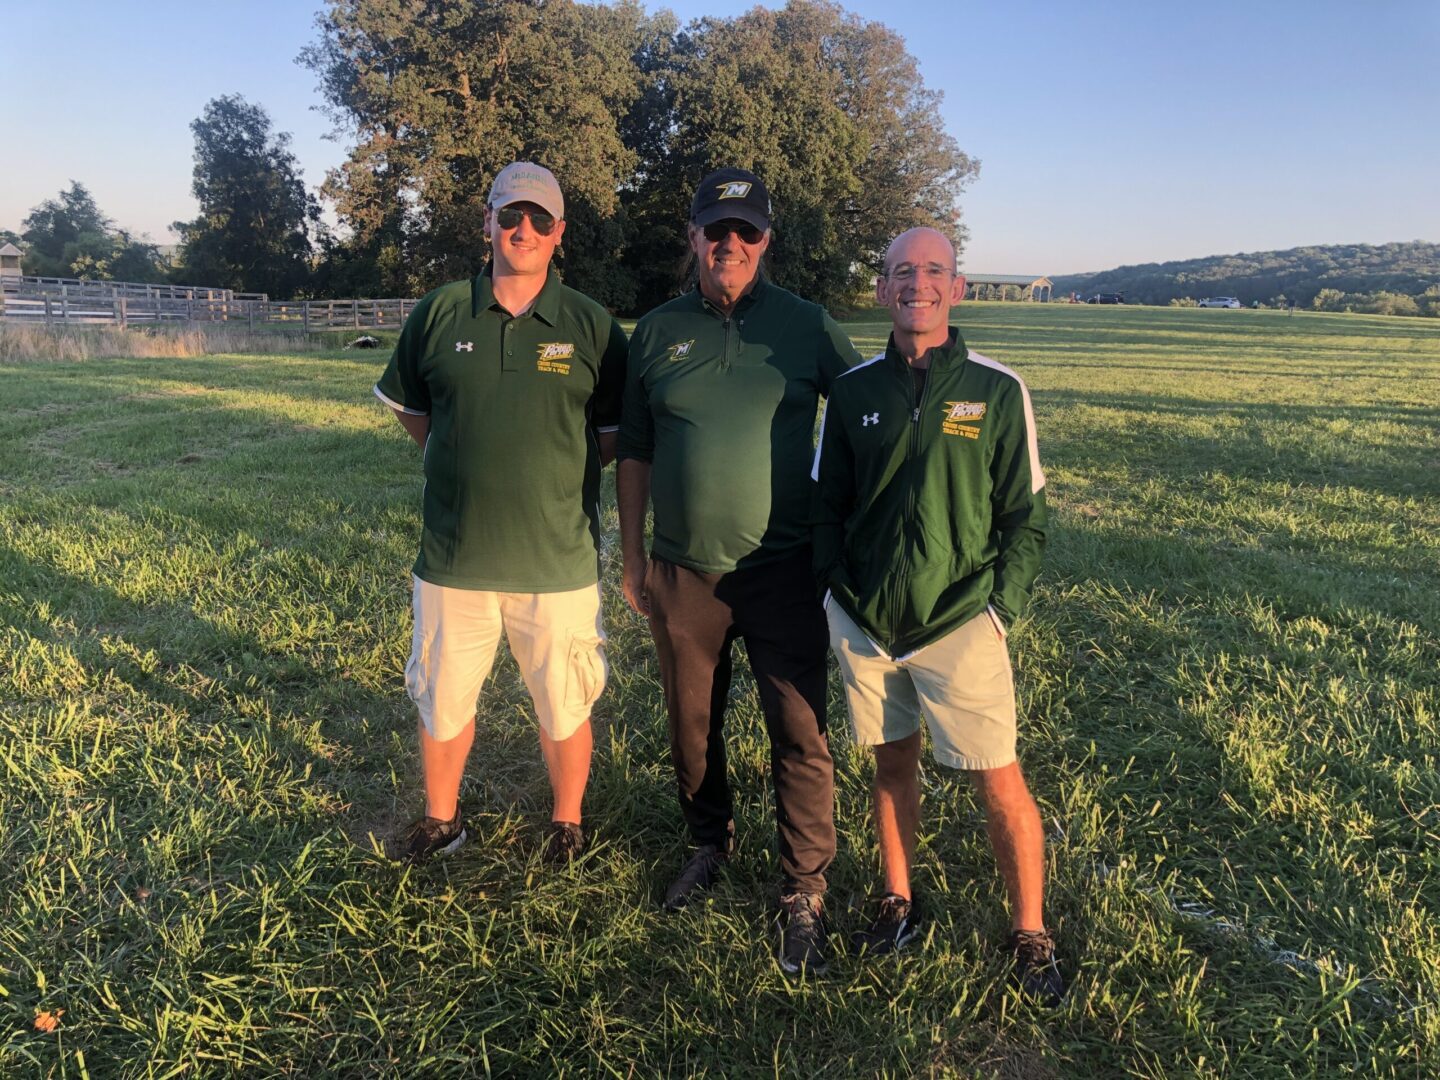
column 48, row 1021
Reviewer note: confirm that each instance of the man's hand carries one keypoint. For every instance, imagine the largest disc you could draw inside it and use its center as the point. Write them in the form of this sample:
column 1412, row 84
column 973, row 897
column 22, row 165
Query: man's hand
column 632, row 495
column 632, row 584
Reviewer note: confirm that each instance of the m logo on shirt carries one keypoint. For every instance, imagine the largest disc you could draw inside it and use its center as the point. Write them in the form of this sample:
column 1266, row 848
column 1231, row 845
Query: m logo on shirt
column 736, row 189
column 554, row 357
column 960, row 415
column 869, row 418
column 464, row 346
column 680, row 350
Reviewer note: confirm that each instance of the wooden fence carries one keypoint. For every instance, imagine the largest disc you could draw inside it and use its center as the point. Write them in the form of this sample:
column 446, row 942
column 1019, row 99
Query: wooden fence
column 31, row 285
column 123, row 310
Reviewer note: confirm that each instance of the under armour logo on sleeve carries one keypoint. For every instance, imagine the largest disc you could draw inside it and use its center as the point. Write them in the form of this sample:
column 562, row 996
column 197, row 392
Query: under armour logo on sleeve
column 870, row 418
column 464, row 346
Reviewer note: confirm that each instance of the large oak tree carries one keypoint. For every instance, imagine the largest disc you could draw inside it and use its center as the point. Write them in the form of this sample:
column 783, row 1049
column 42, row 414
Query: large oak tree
column 629, row 111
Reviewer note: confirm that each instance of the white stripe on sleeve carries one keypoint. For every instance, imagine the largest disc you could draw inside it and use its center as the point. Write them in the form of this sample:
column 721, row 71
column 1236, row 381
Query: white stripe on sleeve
column 1037, row 474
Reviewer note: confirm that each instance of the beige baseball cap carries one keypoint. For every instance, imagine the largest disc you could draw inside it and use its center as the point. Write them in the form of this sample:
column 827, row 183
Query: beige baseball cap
column 524, row 181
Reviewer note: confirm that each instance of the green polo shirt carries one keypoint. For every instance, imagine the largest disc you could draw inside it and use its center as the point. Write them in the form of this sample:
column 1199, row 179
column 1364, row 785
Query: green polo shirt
column 723, row 408
column 512, row 467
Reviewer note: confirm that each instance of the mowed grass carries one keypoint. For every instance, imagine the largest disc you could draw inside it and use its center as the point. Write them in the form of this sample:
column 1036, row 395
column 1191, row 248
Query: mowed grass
column 1229, row 683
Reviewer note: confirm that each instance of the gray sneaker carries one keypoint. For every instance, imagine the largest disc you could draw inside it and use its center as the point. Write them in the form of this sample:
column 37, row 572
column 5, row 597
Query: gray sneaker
column 802, row 934
column 1034, row 969
column 696, row 876
column 564, row 845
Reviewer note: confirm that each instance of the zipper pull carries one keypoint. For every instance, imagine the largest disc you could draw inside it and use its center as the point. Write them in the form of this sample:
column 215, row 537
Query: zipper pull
column 915, row 416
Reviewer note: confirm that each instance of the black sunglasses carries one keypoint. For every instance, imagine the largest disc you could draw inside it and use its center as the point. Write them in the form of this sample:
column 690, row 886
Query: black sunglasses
column 508, row 217
column 718, row 230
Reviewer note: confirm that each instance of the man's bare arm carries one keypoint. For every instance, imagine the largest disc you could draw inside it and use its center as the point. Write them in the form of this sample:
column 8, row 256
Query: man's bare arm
column 417, row 427
column 606, row 440
column 632, row 496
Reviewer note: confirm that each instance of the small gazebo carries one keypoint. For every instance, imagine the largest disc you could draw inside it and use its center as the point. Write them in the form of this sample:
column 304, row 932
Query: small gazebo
column 993, row 286
column 9, row 261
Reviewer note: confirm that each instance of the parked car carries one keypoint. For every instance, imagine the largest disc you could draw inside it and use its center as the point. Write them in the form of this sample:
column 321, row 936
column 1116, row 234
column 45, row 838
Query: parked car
column 1106, row 298
column 1219, row 301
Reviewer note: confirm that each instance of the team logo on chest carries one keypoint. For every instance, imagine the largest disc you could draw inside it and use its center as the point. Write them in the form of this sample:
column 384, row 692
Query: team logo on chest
column 960, row 416
column 554, row 357
column 680, row 350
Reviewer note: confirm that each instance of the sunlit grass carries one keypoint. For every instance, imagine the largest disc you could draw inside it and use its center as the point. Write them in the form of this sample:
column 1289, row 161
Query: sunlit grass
column 1229, row 678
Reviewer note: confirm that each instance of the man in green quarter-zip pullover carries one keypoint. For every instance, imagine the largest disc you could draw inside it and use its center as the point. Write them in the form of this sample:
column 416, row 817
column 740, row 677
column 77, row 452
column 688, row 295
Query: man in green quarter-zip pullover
column 717, row 432
column 928, row 528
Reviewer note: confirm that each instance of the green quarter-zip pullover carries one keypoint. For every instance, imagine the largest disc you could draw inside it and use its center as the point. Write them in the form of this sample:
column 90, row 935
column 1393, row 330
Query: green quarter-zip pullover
column 723, row 408
column 512, row 466
column 929, row 506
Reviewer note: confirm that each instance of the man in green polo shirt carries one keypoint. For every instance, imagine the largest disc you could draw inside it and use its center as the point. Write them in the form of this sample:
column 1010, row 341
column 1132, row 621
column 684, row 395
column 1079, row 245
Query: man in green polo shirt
column 511, row 383
column 718, row 426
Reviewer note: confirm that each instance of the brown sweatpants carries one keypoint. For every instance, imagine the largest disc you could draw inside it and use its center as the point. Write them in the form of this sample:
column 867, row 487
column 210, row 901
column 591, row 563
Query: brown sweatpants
column 695, row 618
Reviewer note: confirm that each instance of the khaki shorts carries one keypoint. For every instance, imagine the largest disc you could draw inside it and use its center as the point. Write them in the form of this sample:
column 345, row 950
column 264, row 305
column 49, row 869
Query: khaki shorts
column 555, row 638
column 962, row 684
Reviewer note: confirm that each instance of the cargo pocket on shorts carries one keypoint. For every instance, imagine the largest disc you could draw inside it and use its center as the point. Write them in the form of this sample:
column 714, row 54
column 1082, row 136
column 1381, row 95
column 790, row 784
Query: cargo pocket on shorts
column 417, row 676
column 585, row 672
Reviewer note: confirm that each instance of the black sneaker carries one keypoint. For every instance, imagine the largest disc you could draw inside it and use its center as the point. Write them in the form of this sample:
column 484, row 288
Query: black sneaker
column 896, row 923
column 564, row 845
column 695, row 876
column 434, row 836
column 1035, row 971
column 802, row 934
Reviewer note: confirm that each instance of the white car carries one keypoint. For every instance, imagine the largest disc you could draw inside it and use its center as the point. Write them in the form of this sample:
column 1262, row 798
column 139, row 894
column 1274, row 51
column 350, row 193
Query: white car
column 1219, row 301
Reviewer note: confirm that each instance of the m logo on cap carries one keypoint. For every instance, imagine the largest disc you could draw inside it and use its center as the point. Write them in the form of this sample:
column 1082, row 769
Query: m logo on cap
column 736, row 189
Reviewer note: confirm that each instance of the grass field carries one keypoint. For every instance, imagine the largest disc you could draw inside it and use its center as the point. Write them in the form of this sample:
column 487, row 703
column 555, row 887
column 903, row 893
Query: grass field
column 1231, row 682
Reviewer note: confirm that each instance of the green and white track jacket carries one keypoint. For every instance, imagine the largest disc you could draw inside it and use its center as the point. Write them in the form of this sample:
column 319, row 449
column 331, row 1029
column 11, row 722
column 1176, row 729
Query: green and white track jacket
column 928, row 511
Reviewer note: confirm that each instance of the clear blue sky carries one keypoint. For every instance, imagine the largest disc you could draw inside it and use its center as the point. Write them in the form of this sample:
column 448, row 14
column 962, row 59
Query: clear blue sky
column 1109, row 133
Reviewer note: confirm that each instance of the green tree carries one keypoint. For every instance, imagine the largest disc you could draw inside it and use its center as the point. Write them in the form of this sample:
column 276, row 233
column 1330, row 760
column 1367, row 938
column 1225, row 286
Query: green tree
column 442, row 94
column 832, row 113
column 256, row 222
column 629, row 112
column 68, row 236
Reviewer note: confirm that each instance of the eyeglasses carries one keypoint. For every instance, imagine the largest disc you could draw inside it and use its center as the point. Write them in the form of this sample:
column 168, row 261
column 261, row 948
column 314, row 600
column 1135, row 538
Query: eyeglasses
column 718, row 230
column 508, row 217
column 909, row 272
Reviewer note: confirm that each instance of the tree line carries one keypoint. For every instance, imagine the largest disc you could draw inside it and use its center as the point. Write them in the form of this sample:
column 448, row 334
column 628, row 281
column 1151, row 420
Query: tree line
column 1389, row 279
column 628, row 109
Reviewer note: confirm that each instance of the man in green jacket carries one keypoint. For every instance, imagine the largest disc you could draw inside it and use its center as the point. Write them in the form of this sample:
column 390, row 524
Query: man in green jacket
column 928, row 530
column 720, row 400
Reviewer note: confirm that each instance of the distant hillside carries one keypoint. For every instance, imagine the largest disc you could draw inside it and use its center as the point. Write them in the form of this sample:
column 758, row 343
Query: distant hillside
column 1361, row 276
